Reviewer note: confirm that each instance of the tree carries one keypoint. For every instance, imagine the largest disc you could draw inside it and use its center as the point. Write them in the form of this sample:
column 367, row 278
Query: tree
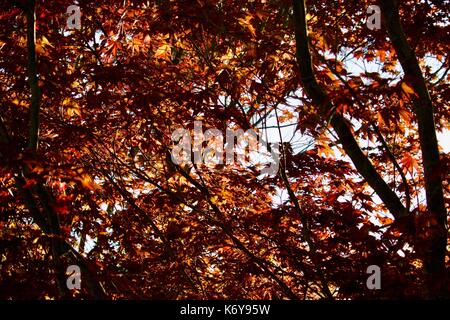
column 87, row 177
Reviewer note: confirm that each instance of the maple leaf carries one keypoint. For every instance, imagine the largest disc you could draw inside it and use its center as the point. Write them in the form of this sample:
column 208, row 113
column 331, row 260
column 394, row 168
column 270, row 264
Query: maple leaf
column 163, row 52
column 407, row 89
column 410, row 163
column 245, row 22
column 88, row 182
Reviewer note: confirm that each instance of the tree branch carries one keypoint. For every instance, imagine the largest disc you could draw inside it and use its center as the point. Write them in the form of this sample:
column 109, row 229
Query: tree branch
column 319, row 97
column 435, row 255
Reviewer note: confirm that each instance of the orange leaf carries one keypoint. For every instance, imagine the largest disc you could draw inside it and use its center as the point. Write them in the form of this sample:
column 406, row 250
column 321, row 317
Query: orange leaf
column 246, row 23
column 407, row 89
column 163, row 52
column 409, row 162
column 88, row 183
